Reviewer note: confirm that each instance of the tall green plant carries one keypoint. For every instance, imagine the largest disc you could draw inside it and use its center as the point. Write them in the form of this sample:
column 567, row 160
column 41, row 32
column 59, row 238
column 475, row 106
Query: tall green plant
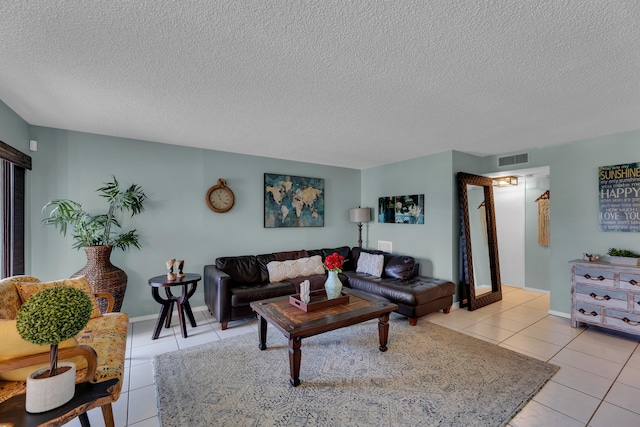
column 97, row 229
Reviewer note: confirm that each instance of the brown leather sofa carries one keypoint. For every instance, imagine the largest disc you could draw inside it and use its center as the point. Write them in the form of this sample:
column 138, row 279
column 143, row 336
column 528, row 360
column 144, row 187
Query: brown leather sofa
column 234, row 282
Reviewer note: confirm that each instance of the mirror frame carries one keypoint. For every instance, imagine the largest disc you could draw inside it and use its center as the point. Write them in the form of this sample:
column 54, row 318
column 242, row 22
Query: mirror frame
column 469, row 297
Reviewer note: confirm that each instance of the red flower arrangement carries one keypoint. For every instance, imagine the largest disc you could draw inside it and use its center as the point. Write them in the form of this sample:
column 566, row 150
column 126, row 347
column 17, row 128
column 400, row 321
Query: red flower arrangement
column 334, row 262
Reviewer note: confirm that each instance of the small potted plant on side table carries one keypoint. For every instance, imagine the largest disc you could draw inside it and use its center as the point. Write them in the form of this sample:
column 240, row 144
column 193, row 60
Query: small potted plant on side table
column 50, row 317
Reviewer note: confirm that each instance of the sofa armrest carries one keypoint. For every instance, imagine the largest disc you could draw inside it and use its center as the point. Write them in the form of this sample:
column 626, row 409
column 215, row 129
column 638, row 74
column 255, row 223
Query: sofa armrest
column 63, row 353
column 217, row 292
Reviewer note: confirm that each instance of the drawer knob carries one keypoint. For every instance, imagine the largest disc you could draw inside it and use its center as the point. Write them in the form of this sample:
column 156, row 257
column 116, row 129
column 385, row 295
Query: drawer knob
column 599, row 278
column 582, row 311
column 630, row 322
column 633, row 282
column 604, row 298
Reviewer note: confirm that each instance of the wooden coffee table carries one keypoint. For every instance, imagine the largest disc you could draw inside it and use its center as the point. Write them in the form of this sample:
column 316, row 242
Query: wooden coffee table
column 297, row 324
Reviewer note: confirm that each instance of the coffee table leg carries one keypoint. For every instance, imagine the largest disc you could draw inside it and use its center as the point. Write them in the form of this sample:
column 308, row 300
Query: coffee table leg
column 294, row 360
column 262, row 333
column 383, row 331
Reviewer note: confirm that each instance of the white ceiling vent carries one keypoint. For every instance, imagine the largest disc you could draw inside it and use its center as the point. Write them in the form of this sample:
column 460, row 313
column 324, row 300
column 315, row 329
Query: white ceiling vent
column 514, row 159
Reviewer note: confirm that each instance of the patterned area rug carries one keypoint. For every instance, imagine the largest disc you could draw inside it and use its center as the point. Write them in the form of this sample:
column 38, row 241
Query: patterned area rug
column 430, row 376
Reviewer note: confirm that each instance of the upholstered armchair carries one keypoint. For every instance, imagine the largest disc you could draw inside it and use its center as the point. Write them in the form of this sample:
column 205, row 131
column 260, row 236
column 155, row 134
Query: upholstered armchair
column 98, row 350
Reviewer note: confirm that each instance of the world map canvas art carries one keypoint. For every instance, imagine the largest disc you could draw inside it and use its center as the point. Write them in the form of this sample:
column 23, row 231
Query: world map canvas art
column 293, row 201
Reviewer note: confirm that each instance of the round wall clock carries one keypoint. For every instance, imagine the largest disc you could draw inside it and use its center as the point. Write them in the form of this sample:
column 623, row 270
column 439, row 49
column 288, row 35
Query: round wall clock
column 220, row 197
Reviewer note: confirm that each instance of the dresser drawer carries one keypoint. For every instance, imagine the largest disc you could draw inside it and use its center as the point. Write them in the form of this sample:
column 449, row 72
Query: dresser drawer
column 629, row 322
column 602, row 297
column 630, row 282
column 597, row 276
column 588, row 313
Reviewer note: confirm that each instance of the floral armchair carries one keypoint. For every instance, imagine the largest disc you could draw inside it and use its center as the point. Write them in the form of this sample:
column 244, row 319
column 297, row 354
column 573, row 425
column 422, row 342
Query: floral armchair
column 98, row 350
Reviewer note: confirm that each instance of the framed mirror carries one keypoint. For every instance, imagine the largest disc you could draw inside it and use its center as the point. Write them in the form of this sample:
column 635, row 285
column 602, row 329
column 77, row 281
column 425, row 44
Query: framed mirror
column 480, row 269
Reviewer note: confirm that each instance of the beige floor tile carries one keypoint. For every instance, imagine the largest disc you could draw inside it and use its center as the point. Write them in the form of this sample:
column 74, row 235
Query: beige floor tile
column 607, row 346
column 547, row 335
column 145, row 353
column 491, row 332
column 524, row 314
column 142, row 404
column 149, row 422
column 503, row 323
column 609, row 415
column 568, row 401
column 543, row 349
column 629, row 376
column 583, row 381
column 624, row 396
column 588, row 363
column 141, row 376
column 559, row 325
column 521, row 351
column 480, row 337
column 634, row 360
column 537, row 415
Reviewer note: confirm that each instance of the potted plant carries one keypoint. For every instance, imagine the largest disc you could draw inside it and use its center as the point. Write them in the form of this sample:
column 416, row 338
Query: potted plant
column 99, row 233
column 50, row 317
column 623, row 256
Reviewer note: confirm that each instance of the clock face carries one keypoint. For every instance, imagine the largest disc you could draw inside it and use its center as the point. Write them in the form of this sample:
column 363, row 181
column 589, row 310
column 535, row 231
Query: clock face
column 220, row 198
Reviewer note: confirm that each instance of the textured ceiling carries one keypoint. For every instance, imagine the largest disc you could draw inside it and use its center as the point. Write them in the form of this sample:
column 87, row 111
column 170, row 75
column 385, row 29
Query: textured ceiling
column 345, row 83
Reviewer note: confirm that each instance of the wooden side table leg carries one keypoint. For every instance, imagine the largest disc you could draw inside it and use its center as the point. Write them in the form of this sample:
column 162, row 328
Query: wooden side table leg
column 183, row 324
column 189, row 313
column 262, row 333
column 161, row 319
column 167, row 323
column 383, row 331
column 295, row 355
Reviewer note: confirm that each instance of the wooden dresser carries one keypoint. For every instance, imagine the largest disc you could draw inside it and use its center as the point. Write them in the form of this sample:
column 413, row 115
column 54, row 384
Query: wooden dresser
column 606, row 295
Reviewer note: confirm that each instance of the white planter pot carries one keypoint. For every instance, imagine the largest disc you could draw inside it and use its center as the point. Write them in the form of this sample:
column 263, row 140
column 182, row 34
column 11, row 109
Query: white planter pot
column 623, row 260
column 48, row 393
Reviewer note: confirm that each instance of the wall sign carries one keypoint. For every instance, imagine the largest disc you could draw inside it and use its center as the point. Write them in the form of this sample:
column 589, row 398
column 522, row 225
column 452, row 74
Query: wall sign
column 401, row 209
column 619, row 196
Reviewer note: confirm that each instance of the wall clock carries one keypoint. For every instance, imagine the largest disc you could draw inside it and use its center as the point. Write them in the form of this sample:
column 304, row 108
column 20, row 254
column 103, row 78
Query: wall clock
column 220, row 197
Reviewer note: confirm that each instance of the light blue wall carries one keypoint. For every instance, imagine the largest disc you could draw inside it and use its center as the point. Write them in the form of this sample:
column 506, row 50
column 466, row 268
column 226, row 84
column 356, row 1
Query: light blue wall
column 177, row 222
column 431, row 243
column 574, row 203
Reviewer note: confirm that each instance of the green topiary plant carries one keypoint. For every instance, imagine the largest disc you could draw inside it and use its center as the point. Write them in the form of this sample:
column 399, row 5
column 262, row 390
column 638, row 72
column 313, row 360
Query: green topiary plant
column 52, row 316
column 95, row 229
column 623, row 253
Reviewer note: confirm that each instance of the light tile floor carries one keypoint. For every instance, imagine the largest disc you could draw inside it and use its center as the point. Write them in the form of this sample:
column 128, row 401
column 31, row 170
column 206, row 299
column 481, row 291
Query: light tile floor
column 598, row 384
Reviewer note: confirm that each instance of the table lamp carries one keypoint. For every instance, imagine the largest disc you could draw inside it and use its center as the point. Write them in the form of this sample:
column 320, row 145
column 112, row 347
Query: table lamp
column 360, row 215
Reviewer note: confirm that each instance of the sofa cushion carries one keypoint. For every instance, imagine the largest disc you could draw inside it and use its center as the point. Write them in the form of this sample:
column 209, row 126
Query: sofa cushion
column 399, row 267
column 290, row 269
column 242, row 269
column 244, row 295
column 370, row 264
column 413, row 292
column 26, row 290
column 13, row 345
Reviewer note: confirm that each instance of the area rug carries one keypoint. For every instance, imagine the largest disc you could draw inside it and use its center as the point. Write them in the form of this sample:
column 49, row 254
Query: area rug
column 429, row 376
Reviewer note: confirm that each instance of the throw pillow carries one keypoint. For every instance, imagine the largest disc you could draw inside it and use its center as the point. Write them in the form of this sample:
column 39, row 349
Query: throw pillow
column 13, row 345
column 370, row 264
column 26, row 290
column 290, row 269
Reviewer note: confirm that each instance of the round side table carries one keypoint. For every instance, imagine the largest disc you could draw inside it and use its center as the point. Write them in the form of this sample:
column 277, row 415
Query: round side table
column 167, row 303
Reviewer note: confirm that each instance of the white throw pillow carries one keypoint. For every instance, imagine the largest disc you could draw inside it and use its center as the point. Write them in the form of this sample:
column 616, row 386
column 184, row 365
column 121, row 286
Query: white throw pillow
column 290, row 269
column 370, row 264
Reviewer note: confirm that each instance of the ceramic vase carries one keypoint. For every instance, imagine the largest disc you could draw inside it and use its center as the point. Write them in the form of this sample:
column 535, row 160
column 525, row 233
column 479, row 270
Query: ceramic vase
column 44, row 394
column 333, row 285
column 104, row 276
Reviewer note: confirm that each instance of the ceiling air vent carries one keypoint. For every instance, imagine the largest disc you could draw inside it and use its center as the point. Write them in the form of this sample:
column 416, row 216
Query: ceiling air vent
column 515, row 159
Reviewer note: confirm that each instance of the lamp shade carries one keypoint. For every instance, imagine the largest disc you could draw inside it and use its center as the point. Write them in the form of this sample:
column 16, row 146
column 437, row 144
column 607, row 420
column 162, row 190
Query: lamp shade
column 360, row 215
